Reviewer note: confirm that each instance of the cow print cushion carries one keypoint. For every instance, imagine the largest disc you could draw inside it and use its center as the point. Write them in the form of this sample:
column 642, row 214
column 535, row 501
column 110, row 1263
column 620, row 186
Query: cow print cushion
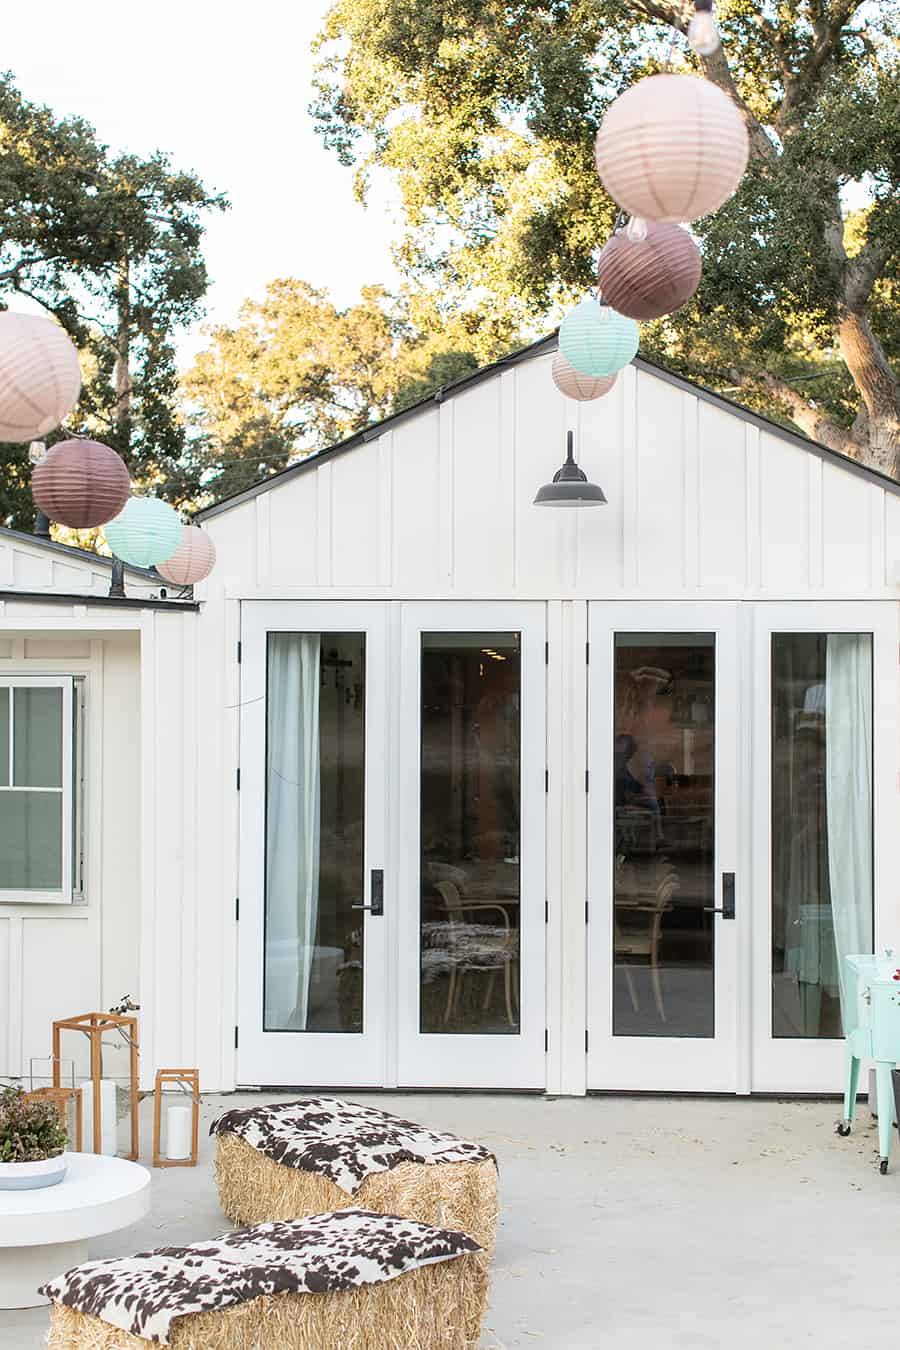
column 342, row 1140
column 144, row 1294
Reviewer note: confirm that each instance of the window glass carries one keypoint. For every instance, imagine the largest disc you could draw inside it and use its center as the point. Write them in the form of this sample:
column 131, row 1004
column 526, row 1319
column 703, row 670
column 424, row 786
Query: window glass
column 470, row 833
column 4, row 737
column 37, row 737
column 30, row 841
column 822, row 871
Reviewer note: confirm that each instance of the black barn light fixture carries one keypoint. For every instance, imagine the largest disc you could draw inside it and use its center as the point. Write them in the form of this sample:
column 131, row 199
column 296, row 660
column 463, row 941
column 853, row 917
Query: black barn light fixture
column 570, row 486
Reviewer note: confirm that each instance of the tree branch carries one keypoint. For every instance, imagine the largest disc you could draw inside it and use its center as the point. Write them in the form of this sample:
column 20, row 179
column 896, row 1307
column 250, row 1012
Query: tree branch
column 818, row 426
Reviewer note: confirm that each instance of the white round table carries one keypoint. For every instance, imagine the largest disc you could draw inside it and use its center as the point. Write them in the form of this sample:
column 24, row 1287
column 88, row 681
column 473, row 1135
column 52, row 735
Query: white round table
column 44, row 1232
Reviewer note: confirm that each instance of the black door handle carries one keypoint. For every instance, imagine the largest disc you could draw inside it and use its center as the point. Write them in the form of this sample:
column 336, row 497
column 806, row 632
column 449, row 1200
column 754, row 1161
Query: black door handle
column 727, row 906
column 376, row 891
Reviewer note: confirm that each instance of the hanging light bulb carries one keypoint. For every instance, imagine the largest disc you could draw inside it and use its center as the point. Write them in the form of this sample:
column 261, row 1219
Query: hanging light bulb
column 702, row 34
column 636, row 229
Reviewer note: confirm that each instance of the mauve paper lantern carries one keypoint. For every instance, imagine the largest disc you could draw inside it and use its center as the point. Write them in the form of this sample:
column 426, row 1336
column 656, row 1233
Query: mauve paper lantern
column 596, row 340
column 193, row 559
column 672, row 147
column 649, row 277
column 573, row 384
column 146, row 532
column 80, row 484
column 40, row 378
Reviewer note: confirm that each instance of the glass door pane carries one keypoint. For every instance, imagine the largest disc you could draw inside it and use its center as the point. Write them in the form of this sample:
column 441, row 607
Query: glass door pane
column 822, row 835
column 470, row 833
column 315, row 808
column 664, row 756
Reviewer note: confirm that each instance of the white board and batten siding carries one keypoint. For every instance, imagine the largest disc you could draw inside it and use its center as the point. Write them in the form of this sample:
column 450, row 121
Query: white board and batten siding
column 701, row 504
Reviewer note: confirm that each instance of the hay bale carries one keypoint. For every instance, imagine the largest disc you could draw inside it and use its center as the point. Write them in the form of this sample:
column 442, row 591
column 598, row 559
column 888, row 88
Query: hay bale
column 437, row 1307
column 460, row 1196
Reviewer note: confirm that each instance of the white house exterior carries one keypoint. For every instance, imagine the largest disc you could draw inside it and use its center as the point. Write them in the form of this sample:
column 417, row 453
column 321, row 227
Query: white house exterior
column 551, row 743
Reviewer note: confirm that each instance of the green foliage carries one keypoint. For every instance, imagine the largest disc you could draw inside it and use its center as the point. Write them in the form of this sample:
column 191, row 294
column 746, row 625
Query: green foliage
column 297, row 374
column 111, row 247
column 485, row 111
column 29, row 1130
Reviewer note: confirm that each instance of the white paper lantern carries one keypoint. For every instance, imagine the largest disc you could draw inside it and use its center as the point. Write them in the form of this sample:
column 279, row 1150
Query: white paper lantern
column 672, row 148
column 573, row 384
column 192, row 561
column 40, row 378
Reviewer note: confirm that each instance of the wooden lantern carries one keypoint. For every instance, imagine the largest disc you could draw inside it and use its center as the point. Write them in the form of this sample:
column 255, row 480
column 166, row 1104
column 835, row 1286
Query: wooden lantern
column 80, row 483
column 60, row 1097
column 672, row 147
column 94, row 1025
column 189, row 1081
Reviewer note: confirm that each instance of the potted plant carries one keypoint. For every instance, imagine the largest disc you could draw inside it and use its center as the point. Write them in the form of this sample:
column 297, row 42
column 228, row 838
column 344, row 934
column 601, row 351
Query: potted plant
column 32, row 1142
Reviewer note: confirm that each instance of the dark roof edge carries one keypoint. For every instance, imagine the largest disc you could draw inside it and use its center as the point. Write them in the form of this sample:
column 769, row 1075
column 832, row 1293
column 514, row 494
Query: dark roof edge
column 116, row 601
column 539, row 348
column 83, row 554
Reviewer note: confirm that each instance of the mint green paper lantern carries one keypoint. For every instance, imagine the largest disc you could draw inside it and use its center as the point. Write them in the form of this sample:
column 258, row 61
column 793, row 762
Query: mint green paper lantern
column 596, row 340
column 145, row 532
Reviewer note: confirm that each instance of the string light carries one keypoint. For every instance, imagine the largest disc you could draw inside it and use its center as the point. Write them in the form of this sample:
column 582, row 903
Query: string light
column 702, row 34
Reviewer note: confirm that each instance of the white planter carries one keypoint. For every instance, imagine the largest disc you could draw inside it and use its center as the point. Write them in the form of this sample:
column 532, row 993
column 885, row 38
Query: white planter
column 31, row 1176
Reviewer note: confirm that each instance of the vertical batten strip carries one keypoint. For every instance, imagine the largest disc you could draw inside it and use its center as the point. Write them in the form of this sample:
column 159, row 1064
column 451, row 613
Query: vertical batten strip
column 149, row 844
column 507, row 438
column 263, row 528
column 630, row 479
column 324, row 526
column 384, row 513
column 753, row 579
column 816, row 524
column 446, row 500
column 877, row 535
column 691, row 490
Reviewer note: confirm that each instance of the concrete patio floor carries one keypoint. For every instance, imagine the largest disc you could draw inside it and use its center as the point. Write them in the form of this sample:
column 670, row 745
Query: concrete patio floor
column 636, row 1222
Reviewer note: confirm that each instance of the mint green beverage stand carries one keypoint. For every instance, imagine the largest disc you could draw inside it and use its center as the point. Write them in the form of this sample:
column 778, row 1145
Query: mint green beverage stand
column 872, row 1029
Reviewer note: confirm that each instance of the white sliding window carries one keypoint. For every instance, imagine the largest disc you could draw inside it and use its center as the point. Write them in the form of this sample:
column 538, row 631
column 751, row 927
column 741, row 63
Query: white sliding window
column 37, row 800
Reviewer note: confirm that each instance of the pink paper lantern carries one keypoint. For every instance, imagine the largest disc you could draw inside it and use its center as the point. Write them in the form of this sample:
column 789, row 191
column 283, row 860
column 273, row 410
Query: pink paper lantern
column 650, row 277
column 573, row 384
column 80, row 483
column 192, row 561
column 672, row 148
column 40, row 377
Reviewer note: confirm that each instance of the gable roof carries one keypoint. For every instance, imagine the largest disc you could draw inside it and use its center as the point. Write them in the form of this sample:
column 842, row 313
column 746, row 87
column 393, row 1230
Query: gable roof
column 540, row 348
column 83, row 555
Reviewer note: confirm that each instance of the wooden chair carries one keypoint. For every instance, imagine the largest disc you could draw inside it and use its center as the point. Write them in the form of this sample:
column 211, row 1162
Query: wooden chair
column 493, row 950
column 643, row 939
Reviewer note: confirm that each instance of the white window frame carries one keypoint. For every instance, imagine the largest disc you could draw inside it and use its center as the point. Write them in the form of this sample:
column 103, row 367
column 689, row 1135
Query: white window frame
column 65, row 895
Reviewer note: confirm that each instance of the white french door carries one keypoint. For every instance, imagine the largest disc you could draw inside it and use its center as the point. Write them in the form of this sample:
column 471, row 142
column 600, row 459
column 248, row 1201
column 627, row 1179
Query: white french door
column 312, row 953
column 391, row 925
column 667, row 900
column 825, row 739
column 468, row 841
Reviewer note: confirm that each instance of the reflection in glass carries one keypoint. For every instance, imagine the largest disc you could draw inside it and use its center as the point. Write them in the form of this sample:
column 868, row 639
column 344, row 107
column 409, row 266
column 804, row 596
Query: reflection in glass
column 315, row 800
column 37, row 737
column 821, row 824
column 664, row 805
column 470, row 832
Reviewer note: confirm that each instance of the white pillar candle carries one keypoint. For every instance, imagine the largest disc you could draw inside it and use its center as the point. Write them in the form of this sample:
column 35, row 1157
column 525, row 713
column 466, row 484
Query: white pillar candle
column 178, row 1132
column 109, row 1142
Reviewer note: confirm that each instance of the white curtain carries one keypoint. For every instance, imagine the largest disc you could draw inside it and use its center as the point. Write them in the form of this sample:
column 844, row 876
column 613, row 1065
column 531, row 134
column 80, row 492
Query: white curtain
column 292, row 827
column 848, row 769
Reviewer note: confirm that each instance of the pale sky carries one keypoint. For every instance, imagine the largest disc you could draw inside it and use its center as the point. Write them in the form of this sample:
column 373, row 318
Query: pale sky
column 224, row 88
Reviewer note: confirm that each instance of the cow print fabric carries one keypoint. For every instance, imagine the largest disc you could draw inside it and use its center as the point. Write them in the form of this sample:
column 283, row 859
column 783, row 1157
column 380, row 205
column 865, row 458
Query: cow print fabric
column 344, row 1141
column 323, row 1254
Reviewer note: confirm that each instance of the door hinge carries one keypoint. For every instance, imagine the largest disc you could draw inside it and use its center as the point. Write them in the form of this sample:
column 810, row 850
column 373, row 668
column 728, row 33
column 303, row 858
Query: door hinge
column 587, row 780
column 587, row 653
column 546, row 1040
column 587, row 911
column 237, row 908
column 546, row 653
column 586, row 1040
column 546, row 780
column 235, row 1038
column 239, row 653
column 546, row 911
column 237, row 779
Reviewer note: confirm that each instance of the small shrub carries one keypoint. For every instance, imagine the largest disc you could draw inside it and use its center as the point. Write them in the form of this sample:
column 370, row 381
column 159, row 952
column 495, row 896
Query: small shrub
column 29, row 1130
